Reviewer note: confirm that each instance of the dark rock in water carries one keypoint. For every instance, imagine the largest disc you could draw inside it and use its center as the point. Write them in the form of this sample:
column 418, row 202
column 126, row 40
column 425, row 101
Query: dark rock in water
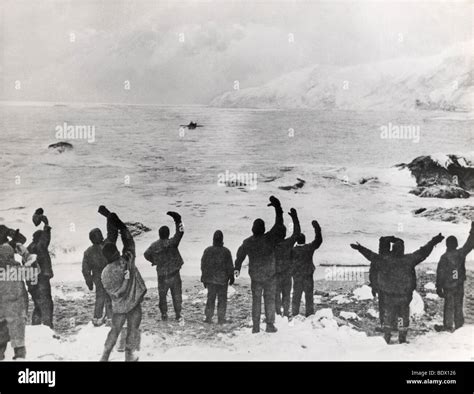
column 137, row 228
column 298, row 185
column 440, row 191
column 453, row 215
column 419, row 210
column 368, row 179
column 449, row 176
column 61, row 146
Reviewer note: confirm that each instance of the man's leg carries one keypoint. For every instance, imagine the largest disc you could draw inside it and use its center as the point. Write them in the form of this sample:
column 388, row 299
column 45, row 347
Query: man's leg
column 45, row 301
column 308, row 293
column 278, row 295
column 297, row 293
column 35, row 295
column 404, row 319
column 176, row 295
column 4, row 338
column 99, row 304
column 134, row 319
column 286, row 294
column 269, row 291
column 16, row 330
column 221, row 303
column 381, row 307
column 118, row 320
column 257, row 291
column 162, row 293
column 448, row 318
column 211, row 301
column 390, row 317
column 458, row 307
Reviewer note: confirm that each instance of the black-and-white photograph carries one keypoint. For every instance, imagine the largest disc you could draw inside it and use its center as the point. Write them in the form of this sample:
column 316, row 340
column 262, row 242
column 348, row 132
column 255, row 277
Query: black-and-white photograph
column 217, row 180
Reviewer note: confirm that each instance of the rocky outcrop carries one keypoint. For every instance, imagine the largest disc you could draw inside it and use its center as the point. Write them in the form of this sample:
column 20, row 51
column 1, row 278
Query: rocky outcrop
column 296, row 186
column 442, row 176
column 137, row 228
column 453, row 215
column 440, row 191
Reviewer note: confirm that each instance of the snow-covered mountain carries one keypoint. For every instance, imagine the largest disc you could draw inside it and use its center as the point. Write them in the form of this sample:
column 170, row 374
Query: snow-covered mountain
column 444, row 81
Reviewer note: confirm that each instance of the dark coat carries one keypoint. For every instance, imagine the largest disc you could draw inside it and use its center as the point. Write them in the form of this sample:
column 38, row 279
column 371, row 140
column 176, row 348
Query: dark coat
column 302, row 257
column 125, row 294
column 93, row 264
column 260, row 251
column 216, row 263
column 39, row 247
column 164, row 253
column 13, row 295
column 451, row 270
column 395, row 274
column 283, row 249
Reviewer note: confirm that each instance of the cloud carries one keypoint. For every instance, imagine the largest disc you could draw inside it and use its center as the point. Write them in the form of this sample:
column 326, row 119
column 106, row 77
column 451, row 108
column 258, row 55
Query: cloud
column 142, row 42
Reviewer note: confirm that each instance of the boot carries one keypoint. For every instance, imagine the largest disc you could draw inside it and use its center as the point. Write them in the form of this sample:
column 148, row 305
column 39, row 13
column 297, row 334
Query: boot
column 105, row 355
column 223, row 321
column 97, row 322
column 255, row 329
column 208, row 320
column 271, row 328
column 130, row 356
column 402, row 337
column 387, row 335
column 3, row 347
column 439, row 327
column 164, row 317
column 20, row 353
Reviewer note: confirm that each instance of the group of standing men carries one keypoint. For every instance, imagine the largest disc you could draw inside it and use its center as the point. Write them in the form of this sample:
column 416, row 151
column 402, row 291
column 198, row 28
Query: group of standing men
column 36, row 268
column 392, row 277
column 277, row 264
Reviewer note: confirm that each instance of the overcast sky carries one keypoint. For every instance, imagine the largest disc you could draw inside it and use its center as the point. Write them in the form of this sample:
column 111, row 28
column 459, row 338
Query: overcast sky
column 187, row 52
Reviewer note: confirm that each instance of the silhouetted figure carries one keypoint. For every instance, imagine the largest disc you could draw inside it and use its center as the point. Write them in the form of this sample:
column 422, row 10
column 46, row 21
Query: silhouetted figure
column 384, row 249
column 125, row 286
column 41, row 291
column 217, row 273
column 283, row 265
column 13, row 296
column 93, row 263
column 260, row 249
column 303, row 270
column 396, row 279
column 450, row 278
column 164, row 254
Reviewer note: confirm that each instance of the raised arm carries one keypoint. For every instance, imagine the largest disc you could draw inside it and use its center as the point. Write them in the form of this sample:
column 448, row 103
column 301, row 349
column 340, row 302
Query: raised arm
column 469, row 245
column 274, row 202
column 318, row 237
column 367, row 253
column 296, row 224
column 127, row 241
column 179, row 229
column 421, row 254
column 112, row 225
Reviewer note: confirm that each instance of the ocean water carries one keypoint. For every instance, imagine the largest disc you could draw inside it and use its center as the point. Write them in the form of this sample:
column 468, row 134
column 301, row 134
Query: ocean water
column 140, row 165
